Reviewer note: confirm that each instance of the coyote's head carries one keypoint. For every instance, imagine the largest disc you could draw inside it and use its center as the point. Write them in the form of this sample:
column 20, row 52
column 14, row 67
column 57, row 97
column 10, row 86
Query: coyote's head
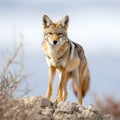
column 55, row 33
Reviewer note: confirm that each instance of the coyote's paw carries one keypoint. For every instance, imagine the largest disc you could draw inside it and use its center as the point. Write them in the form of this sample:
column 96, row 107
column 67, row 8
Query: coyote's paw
column 47, row 96
column 59, row 99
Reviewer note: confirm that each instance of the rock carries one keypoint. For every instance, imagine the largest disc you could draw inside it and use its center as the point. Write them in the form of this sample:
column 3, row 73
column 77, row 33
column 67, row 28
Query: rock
column 79, row 116
column 54, row 105
column 37, row 108
column 65, row 107
column 80, row 109
column 64, row 116
column 47, row 112
column 44, row 102
column 41, row 117
column 91, row 108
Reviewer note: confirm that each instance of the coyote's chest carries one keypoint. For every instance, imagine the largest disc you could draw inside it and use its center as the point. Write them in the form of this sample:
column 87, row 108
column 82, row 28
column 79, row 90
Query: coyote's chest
column 56, row 55
column 57, row 58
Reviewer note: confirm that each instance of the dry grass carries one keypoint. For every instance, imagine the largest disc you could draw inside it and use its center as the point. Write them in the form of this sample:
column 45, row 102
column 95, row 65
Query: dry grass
column 108, row 105
column 11, row 76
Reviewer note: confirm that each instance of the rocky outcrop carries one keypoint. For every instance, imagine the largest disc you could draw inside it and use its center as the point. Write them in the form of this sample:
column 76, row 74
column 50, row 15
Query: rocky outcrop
column 38, row 108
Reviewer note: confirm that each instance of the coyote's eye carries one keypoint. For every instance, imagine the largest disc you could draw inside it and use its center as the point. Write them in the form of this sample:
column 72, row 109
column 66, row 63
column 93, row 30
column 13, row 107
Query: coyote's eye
column 59, row 33
column 50, row 33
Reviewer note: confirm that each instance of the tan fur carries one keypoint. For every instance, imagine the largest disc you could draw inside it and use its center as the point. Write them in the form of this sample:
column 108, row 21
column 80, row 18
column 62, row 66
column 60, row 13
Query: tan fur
column 65, row 56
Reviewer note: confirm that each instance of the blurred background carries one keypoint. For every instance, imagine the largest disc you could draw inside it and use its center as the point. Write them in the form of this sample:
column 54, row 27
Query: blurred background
column 95, row 24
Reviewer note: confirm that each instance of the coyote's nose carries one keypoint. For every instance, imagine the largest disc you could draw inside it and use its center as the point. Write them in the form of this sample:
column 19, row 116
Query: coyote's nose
column 54, row 42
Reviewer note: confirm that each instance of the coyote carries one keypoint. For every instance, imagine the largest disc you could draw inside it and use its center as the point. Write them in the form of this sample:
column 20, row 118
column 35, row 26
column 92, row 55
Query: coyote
column 67, row 57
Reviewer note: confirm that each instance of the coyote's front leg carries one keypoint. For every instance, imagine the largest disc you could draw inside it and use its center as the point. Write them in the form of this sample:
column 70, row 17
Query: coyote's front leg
column 62, row 85
column 50, row 81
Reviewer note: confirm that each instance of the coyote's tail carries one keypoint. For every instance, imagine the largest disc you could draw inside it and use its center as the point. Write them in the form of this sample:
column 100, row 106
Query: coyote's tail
column 84, row 77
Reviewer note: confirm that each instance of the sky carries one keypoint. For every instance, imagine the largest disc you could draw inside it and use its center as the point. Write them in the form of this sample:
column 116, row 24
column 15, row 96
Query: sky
column 95, row 24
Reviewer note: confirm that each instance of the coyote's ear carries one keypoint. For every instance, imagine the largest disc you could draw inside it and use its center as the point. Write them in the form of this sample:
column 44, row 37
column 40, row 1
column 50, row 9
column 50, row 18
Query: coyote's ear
column 46, row 21
column 65, row 22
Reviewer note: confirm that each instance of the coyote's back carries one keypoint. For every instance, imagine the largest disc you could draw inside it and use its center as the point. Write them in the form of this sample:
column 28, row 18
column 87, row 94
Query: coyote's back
column 67, row 57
